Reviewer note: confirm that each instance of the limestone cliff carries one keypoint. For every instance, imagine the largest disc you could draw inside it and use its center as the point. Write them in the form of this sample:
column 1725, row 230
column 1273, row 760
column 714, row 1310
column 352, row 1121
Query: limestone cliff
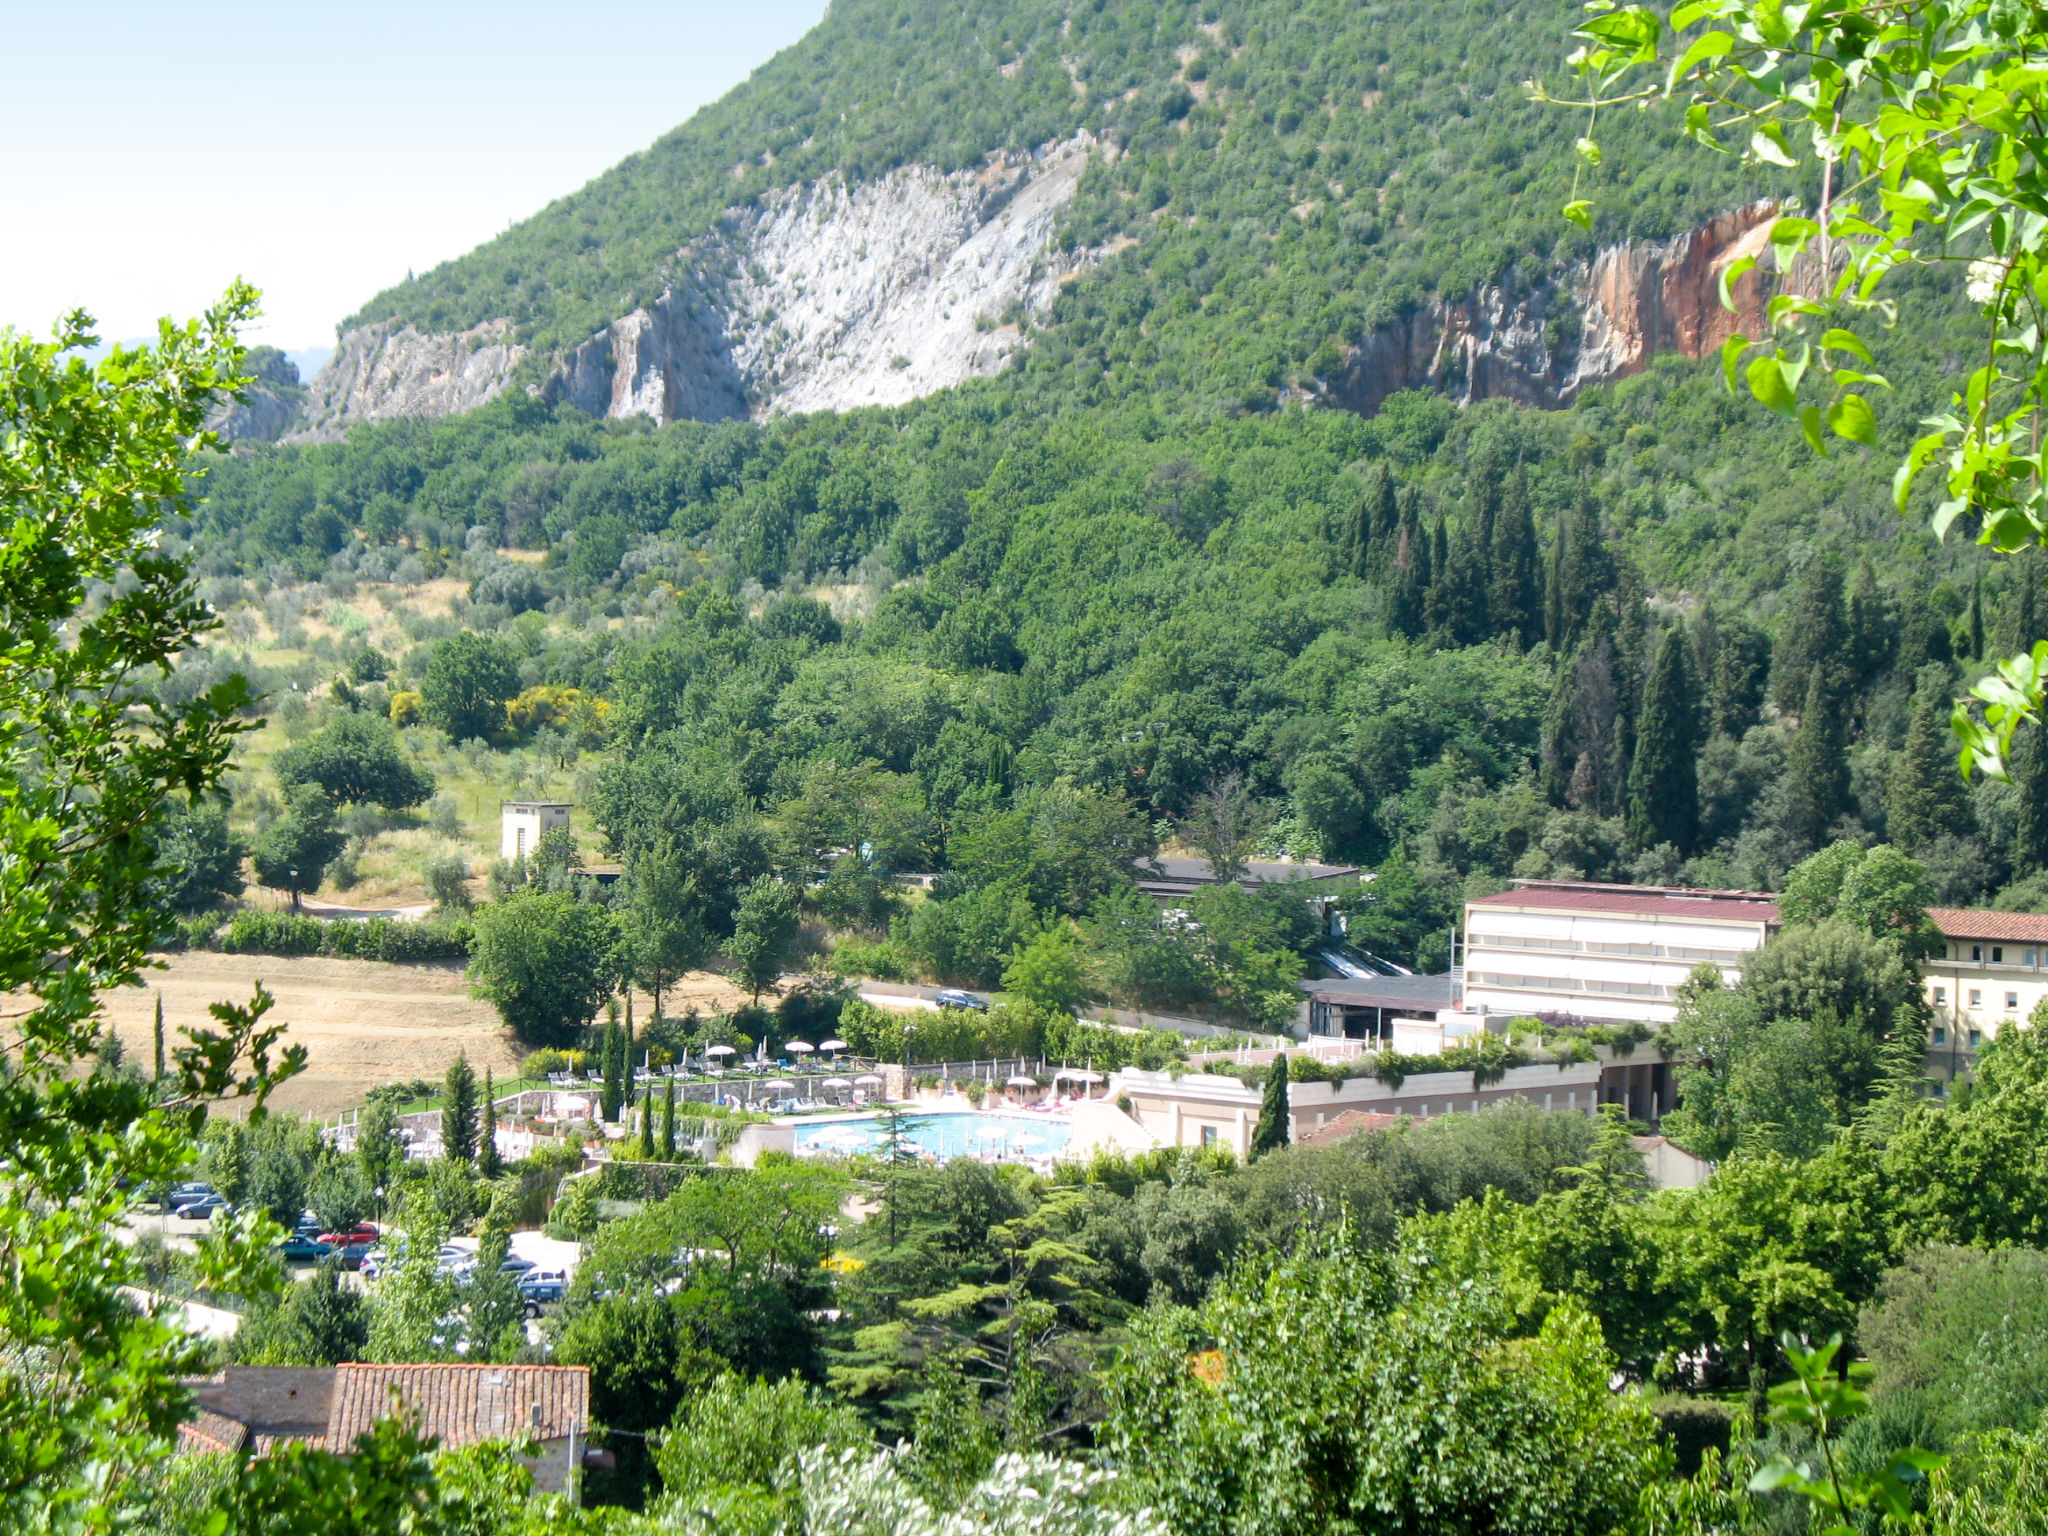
column 1545, row 343
column 380, row 372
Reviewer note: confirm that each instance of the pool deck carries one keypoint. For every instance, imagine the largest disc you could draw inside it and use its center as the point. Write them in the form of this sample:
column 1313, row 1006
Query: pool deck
column 1096, row 1125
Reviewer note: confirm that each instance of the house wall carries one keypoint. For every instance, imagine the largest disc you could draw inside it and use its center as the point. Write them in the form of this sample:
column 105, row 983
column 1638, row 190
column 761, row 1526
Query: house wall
column 1974, row 989
column 1594, row 965
column 520, row 828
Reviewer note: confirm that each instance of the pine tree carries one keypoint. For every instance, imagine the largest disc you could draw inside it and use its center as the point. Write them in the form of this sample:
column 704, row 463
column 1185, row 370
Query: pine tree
column 1273, row 1127
column 458, row 1111
column 668, row 1125
column 1514, row 599
column 1819, row 765
column 2019, row 618
column 159, row 1036
column 1735, row 692
column 1663, row 786
column 1814, row 635
column 488, row 1163
column 1926, row 796
column 1458, row 602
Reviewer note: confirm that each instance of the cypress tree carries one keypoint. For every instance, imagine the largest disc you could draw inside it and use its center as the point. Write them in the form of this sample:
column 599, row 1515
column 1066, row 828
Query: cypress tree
column 1587, row 572
column 668, row 1125
column 1977, row 646
column 647, row 1127
column 2019, row 618
column 626, row 1052
column 1597, row 757
column 1553, row 592
column 1819, row 764
column 1382, row 521
column 1873, row 632
column 1814, row 636
column 1922, row 637
column 608, row 1064
column 1631, row 658
column 1460, row 607
column 488, row 1164
column 1663, row 784
column 1513, row 600
column 458, row 1111
column 159, row 1037
column 1439, row 603
column 1272, row 1129
column 2029, row 768
column 1412, row 575
column 1927, row 796
column 1735, row 691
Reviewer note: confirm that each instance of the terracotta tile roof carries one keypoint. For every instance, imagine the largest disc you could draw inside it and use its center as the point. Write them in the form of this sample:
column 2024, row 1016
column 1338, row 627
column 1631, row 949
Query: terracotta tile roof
column 1349, row 1123
column 211, row 1432
column 461, row 1404
column 1675, row 903
column 1977, row 923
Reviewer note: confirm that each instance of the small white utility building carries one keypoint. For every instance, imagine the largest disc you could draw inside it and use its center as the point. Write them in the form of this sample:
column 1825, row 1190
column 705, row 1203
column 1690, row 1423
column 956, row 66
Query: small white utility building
column 1569, row 949
column 521, row 824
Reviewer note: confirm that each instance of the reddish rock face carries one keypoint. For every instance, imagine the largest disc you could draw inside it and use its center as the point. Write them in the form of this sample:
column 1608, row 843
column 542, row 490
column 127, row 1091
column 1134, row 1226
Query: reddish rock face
column 1541, row 345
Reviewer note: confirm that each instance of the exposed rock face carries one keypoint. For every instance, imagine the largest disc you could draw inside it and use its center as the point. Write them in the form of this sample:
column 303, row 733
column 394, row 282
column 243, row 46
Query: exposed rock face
column 269, row 407
column 1542, row 346
column 380, row 371
column 825, row 297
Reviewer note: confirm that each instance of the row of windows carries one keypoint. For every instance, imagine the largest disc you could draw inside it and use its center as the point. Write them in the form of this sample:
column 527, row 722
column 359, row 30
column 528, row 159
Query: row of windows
column 1595, row 947
column 2033, row 956
column 1941, row 1036
column 1569, row 984
column 1976, row 996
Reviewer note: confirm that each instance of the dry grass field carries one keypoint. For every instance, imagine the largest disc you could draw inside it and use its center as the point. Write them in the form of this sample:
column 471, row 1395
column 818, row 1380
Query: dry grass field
column 362, row 1023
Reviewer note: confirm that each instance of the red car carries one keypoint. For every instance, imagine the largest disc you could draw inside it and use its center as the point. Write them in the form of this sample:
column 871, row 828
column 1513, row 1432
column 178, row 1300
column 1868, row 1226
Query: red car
column 362, row 1233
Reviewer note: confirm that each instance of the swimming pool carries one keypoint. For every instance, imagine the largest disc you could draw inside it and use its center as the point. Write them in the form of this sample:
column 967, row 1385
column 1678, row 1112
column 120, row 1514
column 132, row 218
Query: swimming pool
column 946, row 1134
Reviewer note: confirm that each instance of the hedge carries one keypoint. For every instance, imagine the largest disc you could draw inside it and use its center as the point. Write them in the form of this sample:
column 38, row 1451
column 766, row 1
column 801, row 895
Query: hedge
column 379, row 938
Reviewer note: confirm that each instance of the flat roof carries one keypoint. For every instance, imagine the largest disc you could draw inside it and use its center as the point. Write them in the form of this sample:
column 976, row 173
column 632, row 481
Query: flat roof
column 1177, row 876
column 1675, row 902
column 1382, row 991
column 1982, row 923
column 536, row 805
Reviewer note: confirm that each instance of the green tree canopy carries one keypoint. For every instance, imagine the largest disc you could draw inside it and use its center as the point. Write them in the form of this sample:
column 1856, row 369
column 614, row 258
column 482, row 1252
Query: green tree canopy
column 469, row 680
column 358, row 761
column 546, row 960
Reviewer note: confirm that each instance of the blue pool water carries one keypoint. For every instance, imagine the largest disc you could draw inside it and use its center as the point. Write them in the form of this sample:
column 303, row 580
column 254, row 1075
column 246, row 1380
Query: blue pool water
column 953, row 1133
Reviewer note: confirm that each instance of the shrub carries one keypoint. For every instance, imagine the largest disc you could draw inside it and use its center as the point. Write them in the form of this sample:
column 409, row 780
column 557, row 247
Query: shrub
column 272, row 933
column 547, row 1060
column 395, row 943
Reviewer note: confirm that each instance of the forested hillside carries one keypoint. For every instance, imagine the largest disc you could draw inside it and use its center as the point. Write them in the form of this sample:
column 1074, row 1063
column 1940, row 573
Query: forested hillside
column 1290, row 176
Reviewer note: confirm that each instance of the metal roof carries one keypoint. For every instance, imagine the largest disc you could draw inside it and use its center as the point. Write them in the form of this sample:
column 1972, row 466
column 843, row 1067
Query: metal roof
column 1382, row 991
column 1675, row 902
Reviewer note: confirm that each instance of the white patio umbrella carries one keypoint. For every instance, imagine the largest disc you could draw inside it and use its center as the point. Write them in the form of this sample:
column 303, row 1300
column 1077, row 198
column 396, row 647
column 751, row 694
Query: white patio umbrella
column 832, row 1045
column 1020, row 1081
column 867, row 1081
column 837, row 1082
column 798, row 1047
column 720, row 1050
column 781, row 1083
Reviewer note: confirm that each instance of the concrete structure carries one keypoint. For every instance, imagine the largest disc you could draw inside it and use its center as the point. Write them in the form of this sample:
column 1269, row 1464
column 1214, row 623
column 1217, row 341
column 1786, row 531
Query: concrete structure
column 1669, row 1165
column 1168, row 878
column 1199, row 1109
column 1993, row 971
column 256, row 1407
column 1571, row 951
column 1369, row 1008
column 522, row 823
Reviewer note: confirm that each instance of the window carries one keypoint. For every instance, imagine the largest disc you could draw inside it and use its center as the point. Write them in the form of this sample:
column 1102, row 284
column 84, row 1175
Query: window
column 2012, row 1001
column 1976, row 1036
column 1940, row 997
column 1976, row 951
column 1208, row 1135
column 2030, row 957
column 1997, row 954
column 1940, row 1035
column 1976, row 998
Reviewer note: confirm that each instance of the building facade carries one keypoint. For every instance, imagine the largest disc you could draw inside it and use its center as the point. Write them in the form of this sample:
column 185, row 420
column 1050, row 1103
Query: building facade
column 522, row 823
column 1993, row 971
column 1568, row 950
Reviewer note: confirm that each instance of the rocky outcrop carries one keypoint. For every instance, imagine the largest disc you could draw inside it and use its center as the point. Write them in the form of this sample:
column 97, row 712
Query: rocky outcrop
column 825, row 296
column 382, row 371
column 1543, row 344
column 271, row 405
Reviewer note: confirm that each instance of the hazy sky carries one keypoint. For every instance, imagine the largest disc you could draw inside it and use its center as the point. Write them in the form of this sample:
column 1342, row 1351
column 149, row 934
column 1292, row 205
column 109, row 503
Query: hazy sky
column 149, row 152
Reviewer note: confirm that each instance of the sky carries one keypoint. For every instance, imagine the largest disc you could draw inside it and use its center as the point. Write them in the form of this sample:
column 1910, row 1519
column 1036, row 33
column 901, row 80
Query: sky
column 150, row 152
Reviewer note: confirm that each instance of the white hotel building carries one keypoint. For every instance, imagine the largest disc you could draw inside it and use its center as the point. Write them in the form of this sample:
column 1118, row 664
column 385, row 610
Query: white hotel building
column 1568, row 949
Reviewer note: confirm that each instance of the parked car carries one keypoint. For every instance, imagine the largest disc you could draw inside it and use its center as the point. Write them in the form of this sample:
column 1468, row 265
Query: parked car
column 953, row 997
column 362, row 1232
column 542, row 1287
column 185, row 1194
column 353, row 1255
column 201, row 1208
column 374, row 1262
column 300, row 1248
column 515, row 1265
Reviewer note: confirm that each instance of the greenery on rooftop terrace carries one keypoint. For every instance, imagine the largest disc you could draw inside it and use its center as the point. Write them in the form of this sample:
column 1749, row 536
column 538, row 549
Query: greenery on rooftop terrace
column 1294, row 175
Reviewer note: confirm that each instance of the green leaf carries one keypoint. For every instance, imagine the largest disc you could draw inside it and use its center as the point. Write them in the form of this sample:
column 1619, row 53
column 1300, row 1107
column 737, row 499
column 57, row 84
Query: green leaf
column 1809, row 423
column 1767, row 382
column 1731, row 354
column 1767, row 144
column 1732, row 274
column 1709, row 45
column 1851, row 417
column 1839, row 340
column 1581, row 214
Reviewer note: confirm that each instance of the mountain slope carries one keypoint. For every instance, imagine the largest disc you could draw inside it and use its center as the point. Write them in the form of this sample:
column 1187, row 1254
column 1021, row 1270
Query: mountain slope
column 1217, row 202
